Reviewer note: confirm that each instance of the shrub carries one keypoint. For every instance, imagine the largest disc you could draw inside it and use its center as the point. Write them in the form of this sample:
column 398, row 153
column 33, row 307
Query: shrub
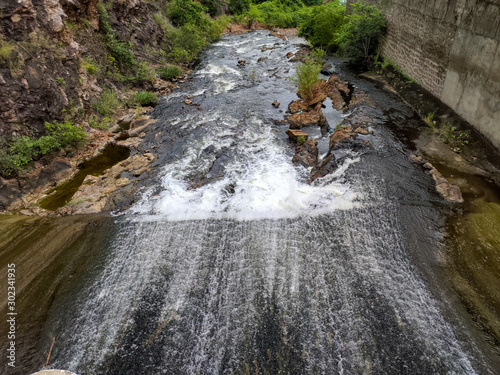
column 106, row 103
column 144, row 73
column 359, row 37
column 160, row 19
column 104, row 124
column 308, row 76
column 457, row 139
column 187, row 42
column 214, row 7
column 323, row 25
column 182, row 12
column 169, row 72
column 66, row 134
column 301, row 139
column 238, row 6
column 22, row 150
column 145, row 98
column 119, row 50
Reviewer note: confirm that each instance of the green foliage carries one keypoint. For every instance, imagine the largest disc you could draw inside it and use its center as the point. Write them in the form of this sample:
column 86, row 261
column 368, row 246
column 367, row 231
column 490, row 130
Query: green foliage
column 169, row 72
column 22, row 150
column 145, row 98
column 187, row 42
column 276, row 13
column 6, row 50
column 120, row 51
column 60, row 81
column 91, row 67
column 238, row 6
column 308, row 75
column 301, row 139
column 323, row 25
column 106, row 103
column 429, row 120
column 213, row 7
column 144, row 73
column 104, row 124
column 182, row 12
column 359, row 37
column 162, row 21
column 457, row 139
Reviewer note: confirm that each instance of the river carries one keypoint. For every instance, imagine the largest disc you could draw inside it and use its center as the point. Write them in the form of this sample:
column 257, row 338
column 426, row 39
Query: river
column 255, row 271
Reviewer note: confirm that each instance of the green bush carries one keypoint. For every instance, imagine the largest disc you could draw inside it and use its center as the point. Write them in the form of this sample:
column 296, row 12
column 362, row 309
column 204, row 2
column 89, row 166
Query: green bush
column 307, row 75
column 120, row 51
column 238, row 6
column 145, row 98
column 187, row 42
column 323, row 24
column 107, row 103
column 360, row 36
column 214, row 7
column 169, row 72
column 143, row 73
column 22, row 150
column 182, row 12
column 104, row 124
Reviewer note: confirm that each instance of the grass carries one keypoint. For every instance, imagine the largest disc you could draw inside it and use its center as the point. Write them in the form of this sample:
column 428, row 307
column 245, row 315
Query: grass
column 169, row 72
column 145, row 98
column 107, row 103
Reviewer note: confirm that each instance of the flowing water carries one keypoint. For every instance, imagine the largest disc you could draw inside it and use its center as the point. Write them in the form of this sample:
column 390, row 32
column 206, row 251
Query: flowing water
column 255, row 271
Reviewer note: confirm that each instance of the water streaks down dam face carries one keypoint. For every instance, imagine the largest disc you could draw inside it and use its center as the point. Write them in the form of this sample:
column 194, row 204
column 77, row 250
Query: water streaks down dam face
column 256, row 271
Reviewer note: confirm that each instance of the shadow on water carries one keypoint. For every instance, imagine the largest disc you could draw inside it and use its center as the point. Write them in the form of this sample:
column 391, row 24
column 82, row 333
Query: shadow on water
column 62, row 194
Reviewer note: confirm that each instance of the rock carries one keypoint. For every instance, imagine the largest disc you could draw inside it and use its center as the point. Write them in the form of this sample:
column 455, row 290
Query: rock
column 318, row 98
column 306, row 154
column 126, row 120
column 340, row 136
column 289, row 55
column 328, row 165
column 266, row 48
column 276, row 104
column 298, row 106
column 311, row 118
column 417, row 159
column 273, row 33
column 361, row 130
column 294, row 134
column 263, row 58
column 242, row 62
column 447, row 190
column 188, row 102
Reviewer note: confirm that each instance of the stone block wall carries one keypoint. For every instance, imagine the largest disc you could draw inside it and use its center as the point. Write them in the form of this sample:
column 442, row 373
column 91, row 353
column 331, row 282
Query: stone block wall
column 451, row 48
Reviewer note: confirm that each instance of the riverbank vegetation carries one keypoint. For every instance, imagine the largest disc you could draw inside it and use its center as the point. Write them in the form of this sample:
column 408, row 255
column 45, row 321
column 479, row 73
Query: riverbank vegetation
column 124, row 51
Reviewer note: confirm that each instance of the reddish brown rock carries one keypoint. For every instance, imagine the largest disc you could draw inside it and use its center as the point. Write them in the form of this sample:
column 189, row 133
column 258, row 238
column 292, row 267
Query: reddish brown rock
column 293, row 134
column 298, row 106
column 311, row 118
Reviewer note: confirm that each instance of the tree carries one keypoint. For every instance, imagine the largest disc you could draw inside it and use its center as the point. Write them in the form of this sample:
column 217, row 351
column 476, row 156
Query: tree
column 322, row 27
column 359, row 37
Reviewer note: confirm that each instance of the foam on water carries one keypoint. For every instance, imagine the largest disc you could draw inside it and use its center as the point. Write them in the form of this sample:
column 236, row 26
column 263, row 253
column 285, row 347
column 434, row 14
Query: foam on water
column 265, row 183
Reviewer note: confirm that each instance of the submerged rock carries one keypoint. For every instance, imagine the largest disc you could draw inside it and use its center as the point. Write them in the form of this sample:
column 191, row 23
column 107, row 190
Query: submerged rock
column 326, row 166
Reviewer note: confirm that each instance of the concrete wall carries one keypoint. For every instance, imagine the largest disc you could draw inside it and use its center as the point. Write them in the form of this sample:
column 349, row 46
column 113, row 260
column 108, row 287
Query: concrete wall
column 451, row 48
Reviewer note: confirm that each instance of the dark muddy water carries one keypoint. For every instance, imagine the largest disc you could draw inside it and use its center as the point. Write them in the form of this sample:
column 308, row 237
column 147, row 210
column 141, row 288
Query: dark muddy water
column 255, row 271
